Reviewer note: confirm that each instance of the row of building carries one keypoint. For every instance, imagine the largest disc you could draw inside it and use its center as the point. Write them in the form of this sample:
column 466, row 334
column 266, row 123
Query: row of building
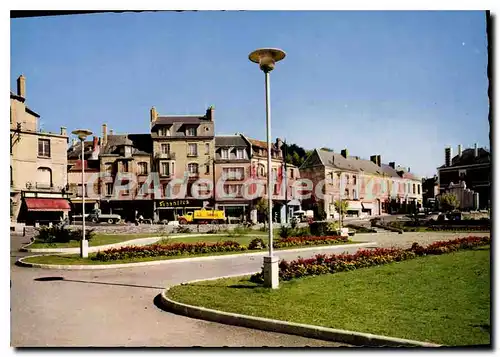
column 46, row 172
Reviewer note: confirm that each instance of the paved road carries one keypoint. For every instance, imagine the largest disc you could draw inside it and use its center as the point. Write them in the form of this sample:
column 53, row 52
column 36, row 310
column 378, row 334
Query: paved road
column 115, row 307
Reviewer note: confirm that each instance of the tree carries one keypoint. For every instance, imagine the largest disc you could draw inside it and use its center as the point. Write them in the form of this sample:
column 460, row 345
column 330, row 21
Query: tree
column 448, row 201
column 262, row 208
column 341, row 206
column 296, row 159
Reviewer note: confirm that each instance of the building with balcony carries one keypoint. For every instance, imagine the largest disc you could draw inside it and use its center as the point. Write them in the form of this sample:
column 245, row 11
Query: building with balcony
column 282, row 184
column 472, row 166
column 369, row 186
column 126, row 160
column 232, row 169
column 183, row 150
column 38, row 165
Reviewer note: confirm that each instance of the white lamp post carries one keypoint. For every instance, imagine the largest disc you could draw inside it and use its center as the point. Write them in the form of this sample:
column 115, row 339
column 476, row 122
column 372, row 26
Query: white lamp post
column 84, row 244
column 267, row 58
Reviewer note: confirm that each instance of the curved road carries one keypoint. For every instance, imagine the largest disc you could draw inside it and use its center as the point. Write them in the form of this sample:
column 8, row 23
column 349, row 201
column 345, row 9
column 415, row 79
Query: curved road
column 115, row 307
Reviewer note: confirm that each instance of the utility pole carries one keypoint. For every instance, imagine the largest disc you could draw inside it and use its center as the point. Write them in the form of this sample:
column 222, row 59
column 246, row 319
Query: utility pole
column 286, row 186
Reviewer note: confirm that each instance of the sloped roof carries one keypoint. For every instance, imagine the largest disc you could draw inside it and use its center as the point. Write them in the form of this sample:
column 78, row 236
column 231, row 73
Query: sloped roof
column 467, row 158
column 142, row 144
column 188, row 119
column 230, row 140
column 259, row 143
column 75, row 151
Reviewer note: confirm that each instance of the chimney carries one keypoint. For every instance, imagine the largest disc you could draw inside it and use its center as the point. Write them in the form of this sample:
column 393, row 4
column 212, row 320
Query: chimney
column 344, row 153
column 475, row 150
column 110, row 131
column 153, row 114
column 210, row 113
column 64, row 131
column 408, row 169
column 459, row 152
column 373, row 159
column 21, row 86
column 95, row 148
column 104, row 134
column 379, row 161
column 392, row 164
column 447, row 156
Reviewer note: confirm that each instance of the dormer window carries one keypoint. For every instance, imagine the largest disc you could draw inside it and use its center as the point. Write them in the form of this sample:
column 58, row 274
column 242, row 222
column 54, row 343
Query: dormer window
column 224, row 154
column 239, row 154
column 127, row 152
column 191, row 131
column 164, row 132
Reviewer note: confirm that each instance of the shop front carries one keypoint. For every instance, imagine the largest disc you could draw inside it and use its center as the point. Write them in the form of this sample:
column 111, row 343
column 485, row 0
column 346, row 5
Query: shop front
column 235, row 212
column 43, row 208
column 169, row 210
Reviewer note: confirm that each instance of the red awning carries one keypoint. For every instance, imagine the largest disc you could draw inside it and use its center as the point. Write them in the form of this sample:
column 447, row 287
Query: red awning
column 47, row 204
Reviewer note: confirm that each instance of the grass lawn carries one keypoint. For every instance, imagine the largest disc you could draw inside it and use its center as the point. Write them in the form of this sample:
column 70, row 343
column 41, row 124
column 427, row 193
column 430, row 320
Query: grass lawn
column 442, row 299
column 98, row 239
column 75, row 259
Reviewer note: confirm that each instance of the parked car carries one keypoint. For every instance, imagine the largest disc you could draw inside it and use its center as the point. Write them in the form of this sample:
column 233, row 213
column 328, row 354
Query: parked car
column 97, row 217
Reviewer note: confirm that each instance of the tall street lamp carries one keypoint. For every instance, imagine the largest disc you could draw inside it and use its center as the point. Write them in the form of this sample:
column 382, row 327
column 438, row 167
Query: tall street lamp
column 84, row 244
column 267, row 58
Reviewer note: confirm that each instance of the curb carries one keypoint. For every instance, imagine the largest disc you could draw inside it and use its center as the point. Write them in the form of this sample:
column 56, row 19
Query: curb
column 291, row 328
column 21, row 262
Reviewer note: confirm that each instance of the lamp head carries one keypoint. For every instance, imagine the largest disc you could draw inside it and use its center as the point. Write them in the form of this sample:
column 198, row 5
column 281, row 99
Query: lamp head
column 82, row 133
column 267, row 57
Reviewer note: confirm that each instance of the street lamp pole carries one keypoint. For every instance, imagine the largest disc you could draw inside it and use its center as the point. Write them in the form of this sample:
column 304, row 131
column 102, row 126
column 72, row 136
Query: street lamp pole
column 267, row 58
column 84, row 244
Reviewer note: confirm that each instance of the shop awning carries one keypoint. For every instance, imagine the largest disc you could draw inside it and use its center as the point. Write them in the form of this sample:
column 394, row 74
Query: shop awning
column 354, row 206
column 47, row 204
column 367, row 205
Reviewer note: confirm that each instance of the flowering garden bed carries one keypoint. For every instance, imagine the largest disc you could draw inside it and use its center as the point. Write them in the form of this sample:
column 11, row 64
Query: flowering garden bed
column 177, row 249
column 325, row 264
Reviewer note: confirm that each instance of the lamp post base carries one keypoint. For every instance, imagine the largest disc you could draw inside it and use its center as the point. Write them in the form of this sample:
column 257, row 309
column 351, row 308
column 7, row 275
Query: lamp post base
column 84, row 248
column 271, row 272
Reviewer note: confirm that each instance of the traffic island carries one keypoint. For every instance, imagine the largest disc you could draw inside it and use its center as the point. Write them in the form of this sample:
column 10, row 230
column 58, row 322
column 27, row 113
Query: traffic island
column 441, row 299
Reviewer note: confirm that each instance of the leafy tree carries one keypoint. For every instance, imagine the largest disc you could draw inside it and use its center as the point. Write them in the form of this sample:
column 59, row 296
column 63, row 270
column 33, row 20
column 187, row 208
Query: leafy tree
column 448, row 201
column 341, row 206
column 296, row 159
column 263, row 208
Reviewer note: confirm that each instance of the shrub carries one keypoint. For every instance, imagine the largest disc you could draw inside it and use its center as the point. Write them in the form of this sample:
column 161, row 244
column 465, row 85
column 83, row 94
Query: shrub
column 294, row 223
column 59, row 234
column 285, row 231
column 257, row 243
column 319, row 228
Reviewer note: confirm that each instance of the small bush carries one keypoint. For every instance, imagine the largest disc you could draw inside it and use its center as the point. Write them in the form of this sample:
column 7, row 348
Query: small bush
column 59, row 234
column 285, row 231
column 256, row 244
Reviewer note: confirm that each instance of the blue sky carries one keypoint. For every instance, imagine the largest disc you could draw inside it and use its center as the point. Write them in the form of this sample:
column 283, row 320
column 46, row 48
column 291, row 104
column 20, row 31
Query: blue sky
column 399, row 84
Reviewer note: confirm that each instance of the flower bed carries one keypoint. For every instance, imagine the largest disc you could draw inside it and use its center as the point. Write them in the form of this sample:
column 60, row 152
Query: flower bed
column 300, row 241
column 171, row 249
column 323, row 264
column 163, row 250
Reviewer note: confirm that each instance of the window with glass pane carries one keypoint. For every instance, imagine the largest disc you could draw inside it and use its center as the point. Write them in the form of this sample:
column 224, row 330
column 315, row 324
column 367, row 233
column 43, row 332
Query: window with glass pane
column 44, row 147
column 125, row 166
column 165, row 148
column 109, row 189
column 207, row 169
column 193, row 168
column 192, row 150
column 225, row 154
column 239, row 153
column 142, row 168
column 207, row 148
column 191, row 131
column 165, row 168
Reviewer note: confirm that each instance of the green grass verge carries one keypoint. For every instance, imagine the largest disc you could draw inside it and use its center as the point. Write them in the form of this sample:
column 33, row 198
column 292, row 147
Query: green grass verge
column 75, row 259
column 442, row 299
column 97, row 240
